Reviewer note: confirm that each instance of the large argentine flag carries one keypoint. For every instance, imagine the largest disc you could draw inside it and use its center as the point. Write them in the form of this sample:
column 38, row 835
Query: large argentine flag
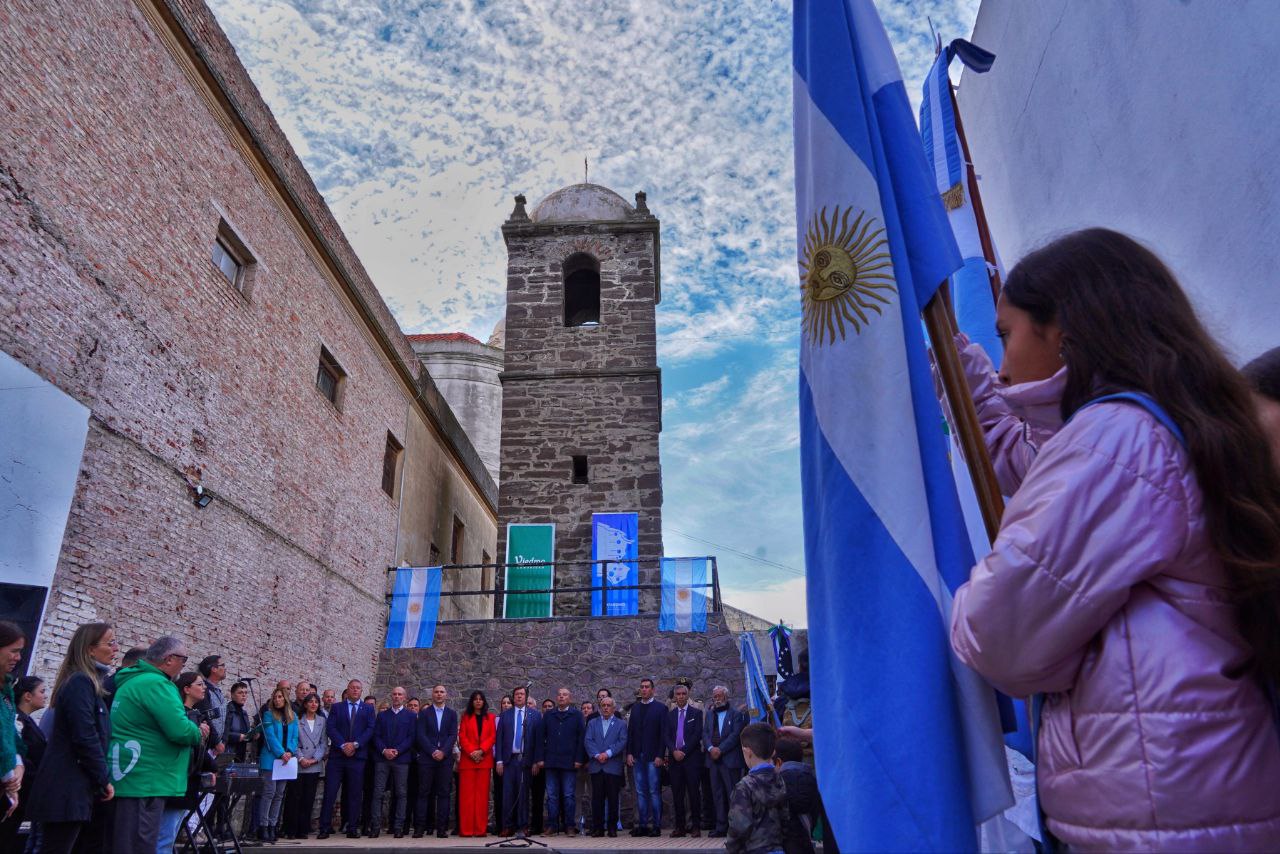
column 415, row 606
column 908, row 740
column 684, row 595
column 971, row 284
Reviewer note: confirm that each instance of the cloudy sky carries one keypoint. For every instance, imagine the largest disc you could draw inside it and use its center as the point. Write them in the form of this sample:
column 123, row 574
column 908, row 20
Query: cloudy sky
column 420, row 119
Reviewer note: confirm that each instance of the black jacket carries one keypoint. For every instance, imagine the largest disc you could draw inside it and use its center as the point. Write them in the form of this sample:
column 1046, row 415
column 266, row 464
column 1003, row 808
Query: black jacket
column 692, row 734
column 238, row 732
column 562, row 734
column 805, row 805
column 647, row 731
column 73, row 771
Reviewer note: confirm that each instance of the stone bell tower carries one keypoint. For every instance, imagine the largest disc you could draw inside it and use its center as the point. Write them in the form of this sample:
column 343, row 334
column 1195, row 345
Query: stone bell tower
column 581, row 387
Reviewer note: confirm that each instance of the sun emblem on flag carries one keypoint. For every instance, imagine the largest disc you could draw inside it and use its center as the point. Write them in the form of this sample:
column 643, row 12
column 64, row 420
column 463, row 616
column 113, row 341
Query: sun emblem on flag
column 845, row 272
column 415, row 607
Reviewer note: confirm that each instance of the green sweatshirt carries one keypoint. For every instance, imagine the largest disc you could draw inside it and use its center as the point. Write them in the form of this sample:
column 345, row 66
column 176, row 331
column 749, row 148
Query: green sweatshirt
column 151, row 737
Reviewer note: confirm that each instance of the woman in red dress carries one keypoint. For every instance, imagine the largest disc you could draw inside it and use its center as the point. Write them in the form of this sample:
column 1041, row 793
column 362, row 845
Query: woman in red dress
column 476, row 735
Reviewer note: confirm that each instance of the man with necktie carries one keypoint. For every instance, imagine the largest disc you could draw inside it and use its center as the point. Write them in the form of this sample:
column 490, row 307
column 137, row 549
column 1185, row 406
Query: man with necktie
column 437, row 734
column 518, row 754
column 684, row 761
column 350, row 730
column 722, row 726
column 605, row 744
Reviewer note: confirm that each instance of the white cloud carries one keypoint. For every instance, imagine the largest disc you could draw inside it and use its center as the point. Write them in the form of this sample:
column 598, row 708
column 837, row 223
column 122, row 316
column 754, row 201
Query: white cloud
column 782, row 600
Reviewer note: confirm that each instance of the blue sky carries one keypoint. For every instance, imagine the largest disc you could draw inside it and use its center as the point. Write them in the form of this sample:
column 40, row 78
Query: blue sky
column 420, row 119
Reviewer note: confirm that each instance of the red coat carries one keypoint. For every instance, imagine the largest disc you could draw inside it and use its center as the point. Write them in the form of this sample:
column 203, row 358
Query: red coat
column 469, row 741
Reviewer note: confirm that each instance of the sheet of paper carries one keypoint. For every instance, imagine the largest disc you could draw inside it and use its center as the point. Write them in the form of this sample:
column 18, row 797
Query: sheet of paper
column 285, row 770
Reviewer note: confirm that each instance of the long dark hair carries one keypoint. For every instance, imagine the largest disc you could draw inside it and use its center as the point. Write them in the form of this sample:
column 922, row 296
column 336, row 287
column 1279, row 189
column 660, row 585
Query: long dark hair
column 1128, row 326
column 484, row 710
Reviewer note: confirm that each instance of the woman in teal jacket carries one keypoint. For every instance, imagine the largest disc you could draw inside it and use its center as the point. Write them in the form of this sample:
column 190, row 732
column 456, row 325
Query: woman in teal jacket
column 279, row 741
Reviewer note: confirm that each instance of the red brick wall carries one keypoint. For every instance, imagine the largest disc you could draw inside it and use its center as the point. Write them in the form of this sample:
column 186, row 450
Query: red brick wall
column 114, row 172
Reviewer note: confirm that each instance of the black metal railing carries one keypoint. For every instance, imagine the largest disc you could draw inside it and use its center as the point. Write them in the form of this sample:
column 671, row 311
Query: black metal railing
column 495, row 595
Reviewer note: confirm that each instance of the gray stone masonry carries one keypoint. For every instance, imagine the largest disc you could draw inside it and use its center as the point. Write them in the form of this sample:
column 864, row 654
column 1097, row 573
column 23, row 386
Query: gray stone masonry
column 588, row 390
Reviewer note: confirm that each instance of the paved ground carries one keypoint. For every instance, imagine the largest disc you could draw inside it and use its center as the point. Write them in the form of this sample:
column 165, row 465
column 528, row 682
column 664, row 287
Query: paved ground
column 565, row 845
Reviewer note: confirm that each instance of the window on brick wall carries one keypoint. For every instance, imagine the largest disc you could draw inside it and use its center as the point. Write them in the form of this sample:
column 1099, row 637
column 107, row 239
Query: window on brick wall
column 581, row 290
column 434, row 557
column 330, row 378
column 455, row 543
column 232, row 258
column 580, row 472
column 391, row 465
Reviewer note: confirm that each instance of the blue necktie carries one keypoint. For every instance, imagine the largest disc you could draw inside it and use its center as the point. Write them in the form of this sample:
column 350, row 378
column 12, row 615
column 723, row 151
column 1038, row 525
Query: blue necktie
column 518, row 747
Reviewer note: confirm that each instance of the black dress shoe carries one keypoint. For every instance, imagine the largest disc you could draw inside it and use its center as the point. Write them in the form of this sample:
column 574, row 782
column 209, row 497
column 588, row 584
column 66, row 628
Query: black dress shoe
column 639, row 831
column 654, row 831
column 399, row 834
column 417, row 834
column 374, row 834
column 324, row 834
column 717, row 834
column 442, row 834
column 677, row 833
column 596, row 834
column 613, row 833
column 353, row 834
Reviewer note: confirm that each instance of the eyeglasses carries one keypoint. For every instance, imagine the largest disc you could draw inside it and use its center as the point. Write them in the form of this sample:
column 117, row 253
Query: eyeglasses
column 181, row 658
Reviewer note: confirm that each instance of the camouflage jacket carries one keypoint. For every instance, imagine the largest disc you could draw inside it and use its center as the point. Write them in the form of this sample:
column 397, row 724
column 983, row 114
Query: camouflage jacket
column 757, row 814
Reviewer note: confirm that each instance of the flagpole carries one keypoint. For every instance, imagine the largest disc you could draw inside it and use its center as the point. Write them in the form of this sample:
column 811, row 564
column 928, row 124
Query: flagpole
column 940, row 322
column 979, row 213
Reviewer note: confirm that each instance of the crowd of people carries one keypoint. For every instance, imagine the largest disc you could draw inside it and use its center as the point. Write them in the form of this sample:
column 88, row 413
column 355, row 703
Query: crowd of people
column 121, row 759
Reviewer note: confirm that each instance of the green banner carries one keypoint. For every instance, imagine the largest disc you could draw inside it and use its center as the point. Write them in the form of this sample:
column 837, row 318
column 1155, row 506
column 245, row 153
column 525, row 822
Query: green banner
column 530, row 551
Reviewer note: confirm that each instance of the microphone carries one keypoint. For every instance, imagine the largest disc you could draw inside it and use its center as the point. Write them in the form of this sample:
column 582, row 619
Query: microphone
column 245, row 679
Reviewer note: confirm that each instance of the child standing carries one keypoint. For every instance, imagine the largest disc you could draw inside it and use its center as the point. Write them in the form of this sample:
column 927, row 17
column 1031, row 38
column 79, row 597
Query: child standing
column 758, row 806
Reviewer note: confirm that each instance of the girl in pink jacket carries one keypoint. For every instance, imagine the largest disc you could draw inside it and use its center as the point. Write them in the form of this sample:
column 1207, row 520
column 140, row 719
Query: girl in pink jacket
column 1135, row 581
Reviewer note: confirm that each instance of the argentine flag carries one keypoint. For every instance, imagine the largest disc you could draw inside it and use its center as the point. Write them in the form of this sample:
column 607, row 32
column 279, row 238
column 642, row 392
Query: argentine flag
column 908, row 742
column 415, row 606
column 684, row 595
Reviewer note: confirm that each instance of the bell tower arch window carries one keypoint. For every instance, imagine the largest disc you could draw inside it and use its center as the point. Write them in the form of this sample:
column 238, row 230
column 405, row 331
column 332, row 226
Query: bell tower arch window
column 581, row 290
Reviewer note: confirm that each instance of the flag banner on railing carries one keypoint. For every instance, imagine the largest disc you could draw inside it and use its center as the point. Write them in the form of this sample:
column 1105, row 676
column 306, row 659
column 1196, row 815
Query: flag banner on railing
column 753, row 672
column 684, row 595
column 531, row 551
column 970, row 285
column 614, row 539
column 781, row 637
column 915, row 759
column 415, row 607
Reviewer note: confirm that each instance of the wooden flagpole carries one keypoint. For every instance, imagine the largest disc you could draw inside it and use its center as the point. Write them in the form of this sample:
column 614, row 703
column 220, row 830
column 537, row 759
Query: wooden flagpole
column 979, row 213
column 940, row 322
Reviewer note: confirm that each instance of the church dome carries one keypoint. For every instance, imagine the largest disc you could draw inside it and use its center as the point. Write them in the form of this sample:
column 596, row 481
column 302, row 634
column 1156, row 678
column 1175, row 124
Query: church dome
column 499, row 337
column 582, row 203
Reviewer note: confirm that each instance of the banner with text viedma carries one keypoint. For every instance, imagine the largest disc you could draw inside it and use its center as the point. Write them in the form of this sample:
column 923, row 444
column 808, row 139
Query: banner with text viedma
column 531, row 549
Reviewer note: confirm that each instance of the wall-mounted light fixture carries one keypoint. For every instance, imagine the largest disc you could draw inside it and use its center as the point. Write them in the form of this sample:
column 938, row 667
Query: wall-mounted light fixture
column 199, row 497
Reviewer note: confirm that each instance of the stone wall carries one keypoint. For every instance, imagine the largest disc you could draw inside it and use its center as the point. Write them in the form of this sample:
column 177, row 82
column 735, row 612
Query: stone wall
column 467, row 374
column 581, row 653
column 587, row 390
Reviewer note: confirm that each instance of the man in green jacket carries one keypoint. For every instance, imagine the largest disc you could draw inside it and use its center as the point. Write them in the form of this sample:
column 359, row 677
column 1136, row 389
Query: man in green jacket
column 151, row 741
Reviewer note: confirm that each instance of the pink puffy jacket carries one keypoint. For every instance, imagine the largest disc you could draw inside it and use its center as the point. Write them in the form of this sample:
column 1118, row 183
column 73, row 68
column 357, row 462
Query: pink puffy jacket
column 1103, row 591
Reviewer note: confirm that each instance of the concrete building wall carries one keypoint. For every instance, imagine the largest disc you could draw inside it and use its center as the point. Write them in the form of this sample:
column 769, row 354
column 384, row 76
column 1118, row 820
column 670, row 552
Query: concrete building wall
column 468, row 375
column 1153, row 118
column 117, row 164
column 583, row 390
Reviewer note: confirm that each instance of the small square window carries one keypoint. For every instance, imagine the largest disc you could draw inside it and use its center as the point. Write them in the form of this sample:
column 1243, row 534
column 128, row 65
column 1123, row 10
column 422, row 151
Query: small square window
column 580, row 468
column 330, row 377
column 232, row 258
column 391, row 465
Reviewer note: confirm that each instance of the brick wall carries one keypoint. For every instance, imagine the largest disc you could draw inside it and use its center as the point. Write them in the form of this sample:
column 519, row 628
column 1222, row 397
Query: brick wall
column 115, row 169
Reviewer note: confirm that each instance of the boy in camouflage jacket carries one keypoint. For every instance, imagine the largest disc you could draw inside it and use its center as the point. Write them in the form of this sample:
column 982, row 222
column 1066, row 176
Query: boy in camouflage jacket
column 758, row 809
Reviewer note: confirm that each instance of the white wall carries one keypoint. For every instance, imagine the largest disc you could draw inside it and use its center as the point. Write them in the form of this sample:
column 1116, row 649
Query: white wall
column 1160, row 118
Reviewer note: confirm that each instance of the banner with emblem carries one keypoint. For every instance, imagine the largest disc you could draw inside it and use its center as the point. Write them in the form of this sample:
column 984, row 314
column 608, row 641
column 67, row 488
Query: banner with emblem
column 614, row 540
column 531, row 551
column 415, row 607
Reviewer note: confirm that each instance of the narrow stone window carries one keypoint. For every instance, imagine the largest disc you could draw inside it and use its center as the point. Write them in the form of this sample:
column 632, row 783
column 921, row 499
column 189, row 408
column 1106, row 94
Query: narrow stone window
column 232, row 258
column 434, row 556
column 330, row 378
column 391, row 465
column 581, row 290
column 455, row 545
column 580, row 468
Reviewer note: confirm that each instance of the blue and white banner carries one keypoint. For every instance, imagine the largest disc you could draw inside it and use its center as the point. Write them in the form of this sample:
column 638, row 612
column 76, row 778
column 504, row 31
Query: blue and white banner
column 970, row 285
column 916, row 761
column 780, row 635
column 614, row 539
column 684, row 595
column 753, row 674
column 415, row 607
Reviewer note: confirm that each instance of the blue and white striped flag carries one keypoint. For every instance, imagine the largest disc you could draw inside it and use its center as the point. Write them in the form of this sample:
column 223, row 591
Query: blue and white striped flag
column 684, row 595
column 415, row 607
column 908, row 744
column 753, row 673
column 970, row 285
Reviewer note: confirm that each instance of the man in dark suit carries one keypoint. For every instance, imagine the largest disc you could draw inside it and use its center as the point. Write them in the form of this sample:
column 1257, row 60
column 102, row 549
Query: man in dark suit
column 393, row 734
column 684, row 761
column 518, row 753
column 437, row 733
column 350, row 731
column 721, row 726
column 646, row 745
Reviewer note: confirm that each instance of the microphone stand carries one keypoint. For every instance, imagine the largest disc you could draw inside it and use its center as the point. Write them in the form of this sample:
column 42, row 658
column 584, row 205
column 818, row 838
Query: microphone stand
column 520, row 840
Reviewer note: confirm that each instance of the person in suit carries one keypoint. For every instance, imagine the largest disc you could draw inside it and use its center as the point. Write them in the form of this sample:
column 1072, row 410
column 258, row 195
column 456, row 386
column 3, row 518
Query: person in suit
column 646, row 744
column 498, row 812
column 350, row 731
column 518, row 754
column 312, row 747
column 684, row 761
column 393, row 734
column 437, row 733
column 606, row 744
column 72, row 788
column 721, row 726
column 477, row 732
column 561, row 734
